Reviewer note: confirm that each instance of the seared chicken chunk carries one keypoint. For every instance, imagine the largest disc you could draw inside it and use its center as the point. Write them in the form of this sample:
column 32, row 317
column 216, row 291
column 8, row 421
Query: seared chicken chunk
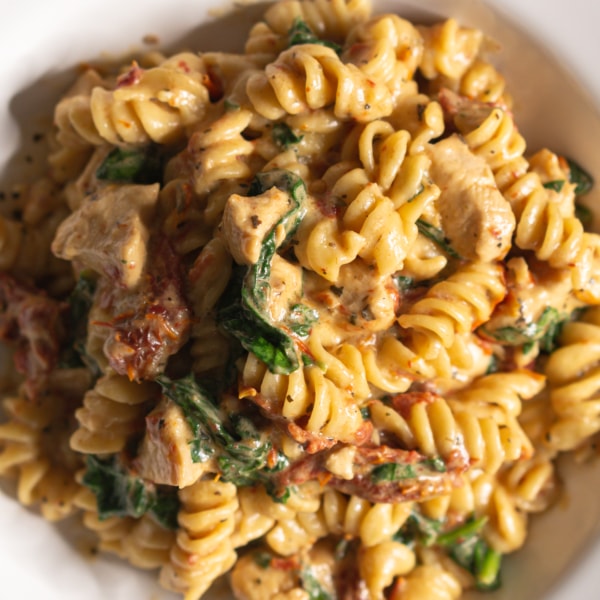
column 109, row 232
column 165, row 456
column 475, row 217
column 247, row 220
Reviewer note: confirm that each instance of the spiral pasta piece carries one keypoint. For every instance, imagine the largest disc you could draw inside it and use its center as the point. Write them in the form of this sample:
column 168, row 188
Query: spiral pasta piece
column 506, row 528
column 438, row 427
column 352, row 517
column 301, row 526
column 585, row 285
column 25, row 244
column 331, row 19
column 573, row 373
column 422, row 117
column 387, row 48
column 154, row 104
column 366, row 322
column 310, row 76
column 253, row 518
column 450, row 49
column 39, row 482
column 306, row 392
column 34, row 447
column 385, row 153
column 112, row 412
column 503, row 391
column 147, row 544
column 377, row 228
column 484, row 83
column 428, row 582
column 203, row 548
column 388, row 233
column 532, row 483
column 454, row 307
column 491, row 133
column 220, row 152
column 381, row 564
column 73, row 120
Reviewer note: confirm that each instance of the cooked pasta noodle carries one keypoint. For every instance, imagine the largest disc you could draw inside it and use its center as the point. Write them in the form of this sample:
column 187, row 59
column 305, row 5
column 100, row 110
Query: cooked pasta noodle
column 310, row 316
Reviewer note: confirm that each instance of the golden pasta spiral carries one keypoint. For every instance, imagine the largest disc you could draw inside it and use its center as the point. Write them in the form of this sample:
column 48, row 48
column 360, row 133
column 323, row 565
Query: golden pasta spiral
column 386, row 48
column 112, row 412
column 454, row 307
column 147, row 544
column 450, row 49
column 573, row 373
column 428, row 582
column 330, row 19
column 380, row 565
column 220, row 152
column 147, row 105
column 203, row 548
column 34, row 444
column 438, row 427
column 306, row 392
column 311, row 76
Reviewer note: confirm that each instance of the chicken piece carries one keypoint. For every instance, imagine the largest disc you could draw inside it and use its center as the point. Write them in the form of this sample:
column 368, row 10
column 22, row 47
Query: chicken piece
column 475, row 217
column 247, row 220
column 164, row 455
column 151, row 323
column 109, row 232
column 361, row 300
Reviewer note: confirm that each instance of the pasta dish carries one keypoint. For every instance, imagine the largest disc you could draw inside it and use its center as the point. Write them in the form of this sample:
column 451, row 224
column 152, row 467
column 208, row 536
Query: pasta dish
column 312, row 317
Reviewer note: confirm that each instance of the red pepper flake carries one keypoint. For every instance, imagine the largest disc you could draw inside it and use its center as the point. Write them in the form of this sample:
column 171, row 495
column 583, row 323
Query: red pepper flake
column 184, row 66
column 213, row 84
column 131, row 77
column 403, row 403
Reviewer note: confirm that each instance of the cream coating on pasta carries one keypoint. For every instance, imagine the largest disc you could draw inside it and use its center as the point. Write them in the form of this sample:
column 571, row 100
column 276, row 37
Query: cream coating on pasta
column 310, row 316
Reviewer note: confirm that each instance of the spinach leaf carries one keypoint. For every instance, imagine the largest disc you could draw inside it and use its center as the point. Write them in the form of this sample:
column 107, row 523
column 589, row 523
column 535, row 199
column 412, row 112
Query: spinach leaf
column 467, row 547
column 438, row 237
column 312, row 586
column 81, row 298
column 262, row 559
column 243, row 456
column 244, row 310
column 464, row 544
column 418, row 529
column 399, row 471
column 119, row 493
column 545, row 331
column 301, row 319
column 301, row 33
column 404, row 283
column 583, row 181
column 284, row 136
column 135, row 165
column 393, row 472
column 556, row 185
column 585, row 215
column 80, row 301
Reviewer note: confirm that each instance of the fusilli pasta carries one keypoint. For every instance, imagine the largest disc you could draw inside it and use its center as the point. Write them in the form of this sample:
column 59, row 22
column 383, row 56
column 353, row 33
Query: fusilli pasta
column 310, row 316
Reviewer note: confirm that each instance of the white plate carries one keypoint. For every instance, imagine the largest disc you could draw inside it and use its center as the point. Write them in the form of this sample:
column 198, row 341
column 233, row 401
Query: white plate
column 550, row 53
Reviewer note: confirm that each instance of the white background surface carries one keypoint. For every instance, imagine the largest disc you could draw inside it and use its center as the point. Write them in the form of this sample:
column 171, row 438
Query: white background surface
column 39, row 40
